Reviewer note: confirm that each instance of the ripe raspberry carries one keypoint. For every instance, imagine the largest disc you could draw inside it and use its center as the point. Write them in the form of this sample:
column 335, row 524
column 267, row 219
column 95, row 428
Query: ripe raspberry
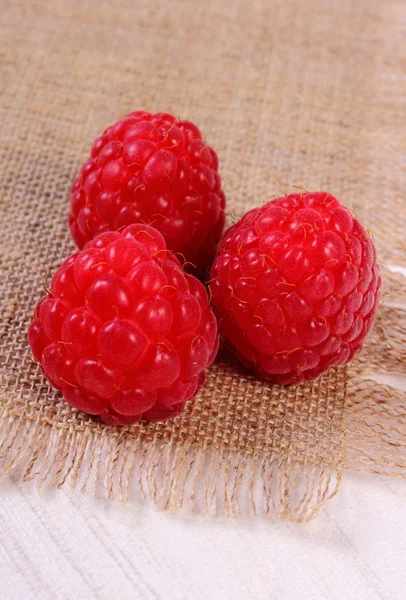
column 295, row 286
column 124, row 333
column 156, row 170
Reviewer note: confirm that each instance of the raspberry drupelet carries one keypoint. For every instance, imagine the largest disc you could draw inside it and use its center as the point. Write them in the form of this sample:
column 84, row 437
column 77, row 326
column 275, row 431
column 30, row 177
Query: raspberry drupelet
column 124, row 332
column 295, row 286
column 157, row 170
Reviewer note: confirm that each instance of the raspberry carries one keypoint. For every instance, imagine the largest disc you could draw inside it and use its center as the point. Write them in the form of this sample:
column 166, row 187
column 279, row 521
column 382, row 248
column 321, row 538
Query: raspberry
column 153, row 169
column 124, row 332
column 295, row 286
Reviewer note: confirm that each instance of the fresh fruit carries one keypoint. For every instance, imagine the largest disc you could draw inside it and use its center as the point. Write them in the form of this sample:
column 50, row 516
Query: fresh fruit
column 156, row 170
column 124, row 332
column 295, row 286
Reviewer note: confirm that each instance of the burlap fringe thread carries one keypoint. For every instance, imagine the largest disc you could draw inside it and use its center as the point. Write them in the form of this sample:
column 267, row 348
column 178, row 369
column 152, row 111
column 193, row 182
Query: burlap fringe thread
column 209, row 479
column 171, row 475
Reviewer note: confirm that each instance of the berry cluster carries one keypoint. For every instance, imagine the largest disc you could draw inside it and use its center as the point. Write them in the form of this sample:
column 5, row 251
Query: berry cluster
column 295, row 286
column 157, row 170
column 124, row 332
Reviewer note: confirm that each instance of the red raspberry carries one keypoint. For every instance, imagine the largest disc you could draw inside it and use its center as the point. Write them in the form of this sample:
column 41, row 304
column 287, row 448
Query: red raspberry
column 157, row 170
column 295, row 286
column 124, row 333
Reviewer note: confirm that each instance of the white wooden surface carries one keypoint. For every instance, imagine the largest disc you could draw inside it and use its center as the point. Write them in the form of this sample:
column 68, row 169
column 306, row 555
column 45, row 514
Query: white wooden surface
column 60, row 544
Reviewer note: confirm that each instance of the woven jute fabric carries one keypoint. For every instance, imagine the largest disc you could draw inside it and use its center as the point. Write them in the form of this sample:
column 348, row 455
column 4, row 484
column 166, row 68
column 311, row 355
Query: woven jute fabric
column 290, row 93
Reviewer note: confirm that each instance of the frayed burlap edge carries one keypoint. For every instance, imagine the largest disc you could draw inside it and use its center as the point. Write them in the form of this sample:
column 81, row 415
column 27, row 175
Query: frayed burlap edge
column 116, row 465
column 209, row 479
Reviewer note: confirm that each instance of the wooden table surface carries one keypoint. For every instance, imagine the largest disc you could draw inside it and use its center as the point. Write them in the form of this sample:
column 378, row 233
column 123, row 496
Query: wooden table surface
column 60, row 544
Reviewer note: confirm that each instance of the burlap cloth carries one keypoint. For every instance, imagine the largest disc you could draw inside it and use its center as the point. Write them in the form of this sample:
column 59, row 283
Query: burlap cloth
column 289, row 93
